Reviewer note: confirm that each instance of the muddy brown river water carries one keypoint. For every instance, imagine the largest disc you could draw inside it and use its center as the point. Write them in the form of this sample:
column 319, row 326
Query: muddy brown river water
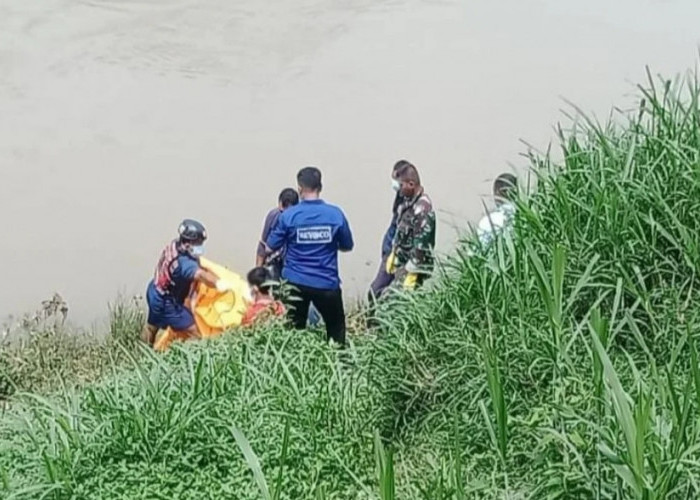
column 120, row 117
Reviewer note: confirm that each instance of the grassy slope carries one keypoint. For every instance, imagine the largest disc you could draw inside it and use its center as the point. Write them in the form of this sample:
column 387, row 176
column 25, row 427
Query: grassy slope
column 559, row 364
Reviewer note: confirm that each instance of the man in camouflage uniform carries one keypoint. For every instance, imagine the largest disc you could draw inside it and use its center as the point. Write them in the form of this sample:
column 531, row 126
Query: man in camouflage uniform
column 412, row 259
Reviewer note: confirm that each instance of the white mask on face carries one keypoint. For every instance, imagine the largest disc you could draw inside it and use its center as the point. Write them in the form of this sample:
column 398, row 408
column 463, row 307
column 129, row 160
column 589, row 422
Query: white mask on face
column 395, row 185
column 197, row 250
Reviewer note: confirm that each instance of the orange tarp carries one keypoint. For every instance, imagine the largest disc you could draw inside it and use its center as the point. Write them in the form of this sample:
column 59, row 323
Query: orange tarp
column 214, row 311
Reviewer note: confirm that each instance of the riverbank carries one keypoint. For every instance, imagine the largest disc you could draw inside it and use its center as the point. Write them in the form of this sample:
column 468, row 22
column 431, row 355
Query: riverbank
column 561, row 363
column 43, row 353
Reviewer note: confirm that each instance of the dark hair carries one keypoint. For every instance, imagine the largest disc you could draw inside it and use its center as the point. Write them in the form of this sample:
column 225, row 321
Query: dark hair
column 288, row 198
column 260, row 277
column 310, row 178
column 505, row 186
column 400, row 165
column 409, row 172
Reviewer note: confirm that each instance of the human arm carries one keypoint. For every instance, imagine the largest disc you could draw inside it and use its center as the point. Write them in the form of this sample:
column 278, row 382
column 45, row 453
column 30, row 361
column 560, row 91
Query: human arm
column 259, row 260
column 207, row 277
column 388, row 246
column 388, row 240
column 345, row 239
column 277, row 235
column 199, row 274
column 262, row 251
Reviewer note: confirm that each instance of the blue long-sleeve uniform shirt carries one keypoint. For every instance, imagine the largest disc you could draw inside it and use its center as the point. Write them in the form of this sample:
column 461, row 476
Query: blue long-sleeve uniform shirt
column 313, row 233
column 388, row 241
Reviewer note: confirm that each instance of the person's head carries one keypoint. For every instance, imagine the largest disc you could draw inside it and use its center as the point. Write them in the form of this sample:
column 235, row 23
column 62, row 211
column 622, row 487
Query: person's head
column 259, row 280
column 505, row 188
column 395, row 183
column 288, row 198
column 409, row 179
column 191, row 237
column 309, row 181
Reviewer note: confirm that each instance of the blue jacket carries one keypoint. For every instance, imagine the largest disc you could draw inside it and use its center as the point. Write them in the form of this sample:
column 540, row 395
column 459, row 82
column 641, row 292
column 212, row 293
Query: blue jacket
column 313, row 232
column 388, row 241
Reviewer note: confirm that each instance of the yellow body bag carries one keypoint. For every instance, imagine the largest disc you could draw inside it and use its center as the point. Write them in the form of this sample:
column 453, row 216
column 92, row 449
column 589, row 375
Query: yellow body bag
column 214, row 312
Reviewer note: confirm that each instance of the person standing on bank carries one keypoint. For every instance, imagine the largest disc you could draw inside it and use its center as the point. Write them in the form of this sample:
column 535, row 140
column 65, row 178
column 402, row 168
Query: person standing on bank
column 505, row 189
column 412, row 257
column 313, row 233
column 273, row 261
column 383, row 279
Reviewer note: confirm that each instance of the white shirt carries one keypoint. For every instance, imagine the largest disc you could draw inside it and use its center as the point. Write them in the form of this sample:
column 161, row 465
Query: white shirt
column 495, row 222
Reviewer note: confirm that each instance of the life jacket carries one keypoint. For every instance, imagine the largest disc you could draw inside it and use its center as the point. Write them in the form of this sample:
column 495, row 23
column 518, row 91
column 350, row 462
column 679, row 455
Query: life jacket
column 167, row 263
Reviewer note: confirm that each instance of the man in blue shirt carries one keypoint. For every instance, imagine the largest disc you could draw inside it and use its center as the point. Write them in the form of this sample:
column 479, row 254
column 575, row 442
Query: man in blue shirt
column 274, row 261
column 177, row 270
column 313, row 232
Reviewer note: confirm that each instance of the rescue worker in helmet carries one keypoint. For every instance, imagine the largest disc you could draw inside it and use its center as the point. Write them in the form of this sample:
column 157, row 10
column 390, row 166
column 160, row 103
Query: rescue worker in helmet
column 177, row 270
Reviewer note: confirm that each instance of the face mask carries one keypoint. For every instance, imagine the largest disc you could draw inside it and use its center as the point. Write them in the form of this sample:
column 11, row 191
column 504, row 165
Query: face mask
column 197, row 251
column 395, row 185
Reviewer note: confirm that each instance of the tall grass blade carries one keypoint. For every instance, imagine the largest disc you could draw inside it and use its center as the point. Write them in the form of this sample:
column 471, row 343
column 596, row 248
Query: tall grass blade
column 695, row 370
column 495, row 385
column 625, row 419
column 253, row 462
column 282, row 461
column 385, row 469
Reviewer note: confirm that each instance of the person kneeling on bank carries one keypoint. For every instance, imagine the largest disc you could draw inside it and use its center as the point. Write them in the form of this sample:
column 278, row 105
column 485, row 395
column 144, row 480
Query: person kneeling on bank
column 264, row 306
column 177, row 272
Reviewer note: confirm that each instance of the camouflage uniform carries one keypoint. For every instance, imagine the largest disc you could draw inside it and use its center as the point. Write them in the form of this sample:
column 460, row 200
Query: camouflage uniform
column 415, row 237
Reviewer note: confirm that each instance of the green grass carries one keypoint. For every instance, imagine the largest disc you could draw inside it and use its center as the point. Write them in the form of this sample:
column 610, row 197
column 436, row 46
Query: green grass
column 46, row 356
column 559, row 363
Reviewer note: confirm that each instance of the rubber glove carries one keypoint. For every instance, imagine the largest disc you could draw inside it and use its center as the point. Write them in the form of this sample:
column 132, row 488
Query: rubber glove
column 223, row 286
column 391, row 263
column 410, row 282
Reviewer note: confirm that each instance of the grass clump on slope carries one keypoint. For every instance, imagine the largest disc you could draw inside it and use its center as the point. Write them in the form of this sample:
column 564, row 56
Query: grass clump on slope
column 169, row 430
column 560, row 363
column 47, row 355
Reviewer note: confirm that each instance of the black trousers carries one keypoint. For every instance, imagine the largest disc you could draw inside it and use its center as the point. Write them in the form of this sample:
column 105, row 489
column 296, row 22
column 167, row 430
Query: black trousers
column 329, row 304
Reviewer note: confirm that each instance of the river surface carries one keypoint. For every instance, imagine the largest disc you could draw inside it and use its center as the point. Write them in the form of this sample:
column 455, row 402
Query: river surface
column 118, row 118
